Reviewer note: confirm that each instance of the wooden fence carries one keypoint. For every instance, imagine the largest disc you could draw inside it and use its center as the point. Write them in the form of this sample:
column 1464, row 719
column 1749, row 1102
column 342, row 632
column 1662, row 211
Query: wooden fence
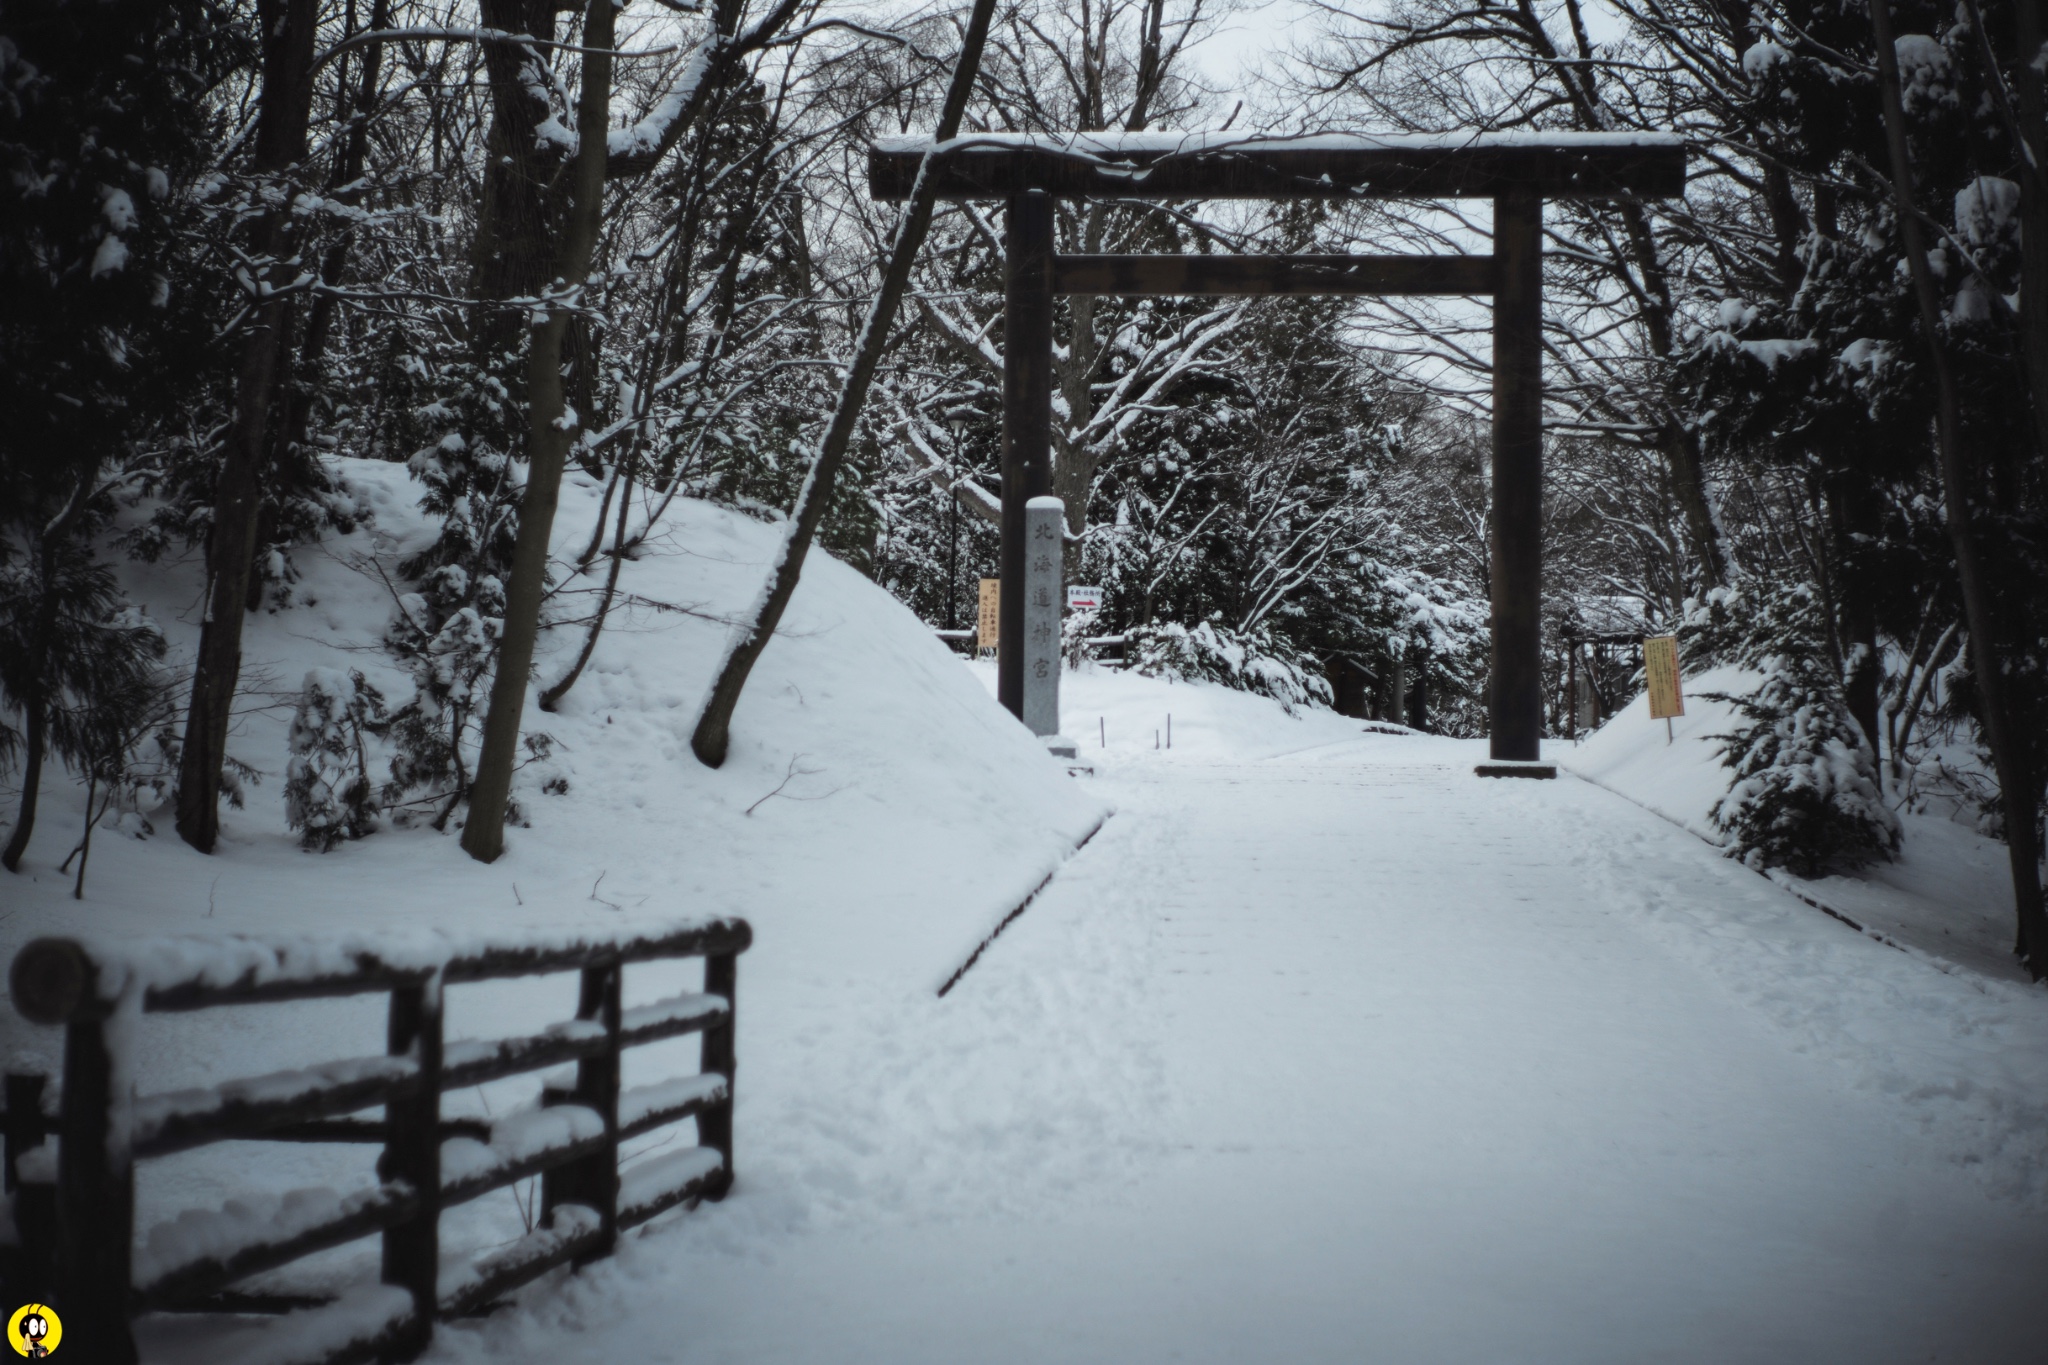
column 74, row 1215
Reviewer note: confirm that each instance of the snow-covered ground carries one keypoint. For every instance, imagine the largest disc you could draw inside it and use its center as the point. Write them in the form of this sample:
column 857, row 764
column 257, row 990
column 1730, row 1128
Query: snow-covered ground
column 1948, row 894
column 1322, row 1049
column 913, row 814
column 883, row 754
column 1327, row 1050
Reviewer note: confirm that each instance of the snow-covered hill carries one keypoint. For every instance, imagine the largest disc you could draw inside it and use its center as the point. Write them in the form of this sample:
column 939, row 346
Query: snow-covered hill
column 909, row 815
column 909, row 795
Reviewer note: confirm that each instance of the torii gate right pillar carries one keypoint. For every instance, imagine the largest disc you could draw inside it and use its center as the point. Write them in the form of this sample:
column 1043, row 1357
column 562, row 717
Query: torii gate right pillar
column 1515, row 538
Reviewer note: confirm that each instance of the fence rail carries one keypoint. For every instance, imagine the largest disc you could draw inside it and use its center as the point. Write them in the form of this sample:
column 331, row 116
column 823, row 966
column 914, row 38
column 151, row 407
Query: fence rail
column 74, row 1214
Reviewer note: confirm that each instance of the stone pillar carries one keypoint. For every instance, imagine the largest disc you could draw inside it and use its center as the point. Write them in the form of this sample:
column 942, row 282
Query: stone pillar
column 1044, row 525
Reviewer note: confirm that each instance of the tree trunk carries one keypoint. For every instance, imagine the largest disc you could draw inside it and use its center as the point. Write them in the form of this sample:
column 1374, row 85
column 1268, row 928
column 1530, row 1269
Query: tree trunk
column 1681, row 447
column 510, row 256
column 2033, row 215
column 36, row 706
column 291, row 469
column 1852, row 525
column 1862, row 673
column 550, row 432
column 33, row 742
column 552, row 696
column 286, row 107
column 2017, row 792
column 713, row 734
column 344, row 184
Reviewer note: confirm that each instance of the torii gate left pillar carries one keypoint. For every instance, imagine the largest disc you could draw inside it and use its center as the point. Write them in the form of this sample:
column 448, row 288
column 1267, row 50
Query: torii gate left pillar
column 1515, row 531
column 1517, row 172
column 1027, row 417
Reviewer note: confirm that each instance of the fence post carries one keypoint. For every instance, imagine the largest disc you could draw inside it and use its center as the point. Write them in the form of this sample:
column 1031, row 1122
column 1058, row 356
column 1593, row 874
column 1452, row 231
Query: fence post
column 714, row 1122
column 35, row 1204
column 24, row 1099
column 593, row 1180
column 412, row 1153
column 95, row 1201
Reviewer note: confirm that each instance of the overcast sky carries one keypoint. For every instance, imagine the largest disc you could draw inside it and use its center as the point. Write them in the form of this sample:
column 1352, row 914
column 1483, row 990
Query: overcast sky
column 1265, row 28
column 1244, row 39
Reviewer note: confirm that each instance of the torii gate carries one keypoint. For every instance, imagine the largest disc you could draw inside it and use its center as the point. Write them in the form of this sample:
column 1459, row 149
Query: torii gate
column 1517, row 171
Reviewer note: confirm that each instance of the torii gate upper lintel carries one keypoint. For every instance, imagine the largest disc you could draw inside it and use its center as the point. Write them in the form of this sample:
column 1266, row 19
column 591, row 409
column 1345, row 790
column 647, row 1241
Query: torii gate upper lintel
column 1518, row 171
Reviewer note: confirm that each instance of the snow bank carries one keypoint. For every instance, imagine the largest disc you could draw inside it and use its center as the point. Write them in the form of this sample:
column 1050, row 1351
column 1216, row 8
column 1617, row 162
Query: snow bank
column 869, row 774
column 1948, row 894
column 1114, row 713
column 1680, row 779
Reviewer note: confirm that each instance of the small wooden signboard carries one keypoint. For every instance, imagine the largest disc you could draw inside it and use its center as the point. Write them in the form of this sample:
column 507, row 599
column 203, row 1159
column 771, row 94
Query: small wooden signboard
column 990, row 623
column 1660, row 671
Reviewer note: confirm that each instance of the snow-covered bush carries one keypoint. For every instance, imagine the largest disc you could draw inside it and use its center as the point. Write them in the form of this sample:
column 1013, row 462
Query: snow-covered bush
column 447, row 635
column 328, row 795
column 1251, row 661
column 1734, row 625
column 1076, row 631
column 1806, row 794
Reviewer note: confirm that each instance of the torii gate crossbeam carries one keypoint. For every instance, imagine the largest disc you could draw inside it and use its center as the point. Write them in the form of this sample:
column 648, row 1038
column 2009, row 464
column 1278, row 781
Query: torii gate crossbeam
column 1516, row 171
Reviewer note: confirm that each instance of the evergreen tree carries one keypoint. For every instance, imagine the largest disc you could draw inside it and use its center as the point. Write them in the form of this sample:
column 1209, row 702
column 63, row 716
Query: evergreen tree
column 1806, row 792
column 328, row 795
column 103, row 129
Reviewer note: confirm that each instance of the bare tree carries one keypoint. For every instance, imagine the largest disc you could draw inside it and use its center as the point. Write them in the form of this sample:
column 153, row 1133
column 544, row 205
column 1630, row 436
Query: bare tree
column 712, row 735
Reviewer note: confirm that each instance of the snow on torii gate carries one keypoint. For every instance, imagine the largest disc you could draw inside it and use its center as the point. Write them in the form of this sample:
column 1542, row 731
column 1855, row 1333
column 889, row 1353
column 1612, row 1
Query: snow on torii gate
column 1517, row 171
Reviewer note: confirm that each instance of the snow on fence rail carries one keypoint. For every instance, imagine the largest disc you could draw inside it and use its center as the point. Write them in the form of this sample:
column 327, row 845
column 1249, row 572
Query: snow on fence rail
column 73, row 1209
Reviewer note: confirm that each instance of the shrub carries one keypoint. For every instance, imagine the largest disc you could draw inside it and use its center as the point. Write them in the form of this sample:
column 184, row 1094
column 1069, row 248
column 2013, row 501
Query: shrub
column 1806, row 794
column 327, row 789
column 1251, row 661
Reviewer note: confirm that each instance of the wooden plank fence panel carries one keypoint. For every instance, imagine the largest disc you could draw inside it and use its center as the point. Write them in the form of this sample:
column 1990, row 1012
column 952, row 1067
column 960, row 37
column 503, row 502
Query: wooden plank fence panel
column 571, row 1141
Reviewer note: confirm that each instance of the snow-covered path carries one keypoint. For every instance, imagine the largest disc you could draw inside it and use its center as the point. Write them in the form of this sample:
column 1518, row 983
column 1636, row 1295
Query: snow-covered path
column 1347, row 1055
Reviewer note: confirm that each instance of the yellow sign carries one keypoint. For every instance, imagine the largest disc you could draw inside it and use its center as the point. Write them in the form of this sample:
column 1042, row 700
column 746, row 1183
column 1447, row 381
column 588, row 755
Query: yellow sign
column 34, row 1330
column 990, row 623
column 1660, row 671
